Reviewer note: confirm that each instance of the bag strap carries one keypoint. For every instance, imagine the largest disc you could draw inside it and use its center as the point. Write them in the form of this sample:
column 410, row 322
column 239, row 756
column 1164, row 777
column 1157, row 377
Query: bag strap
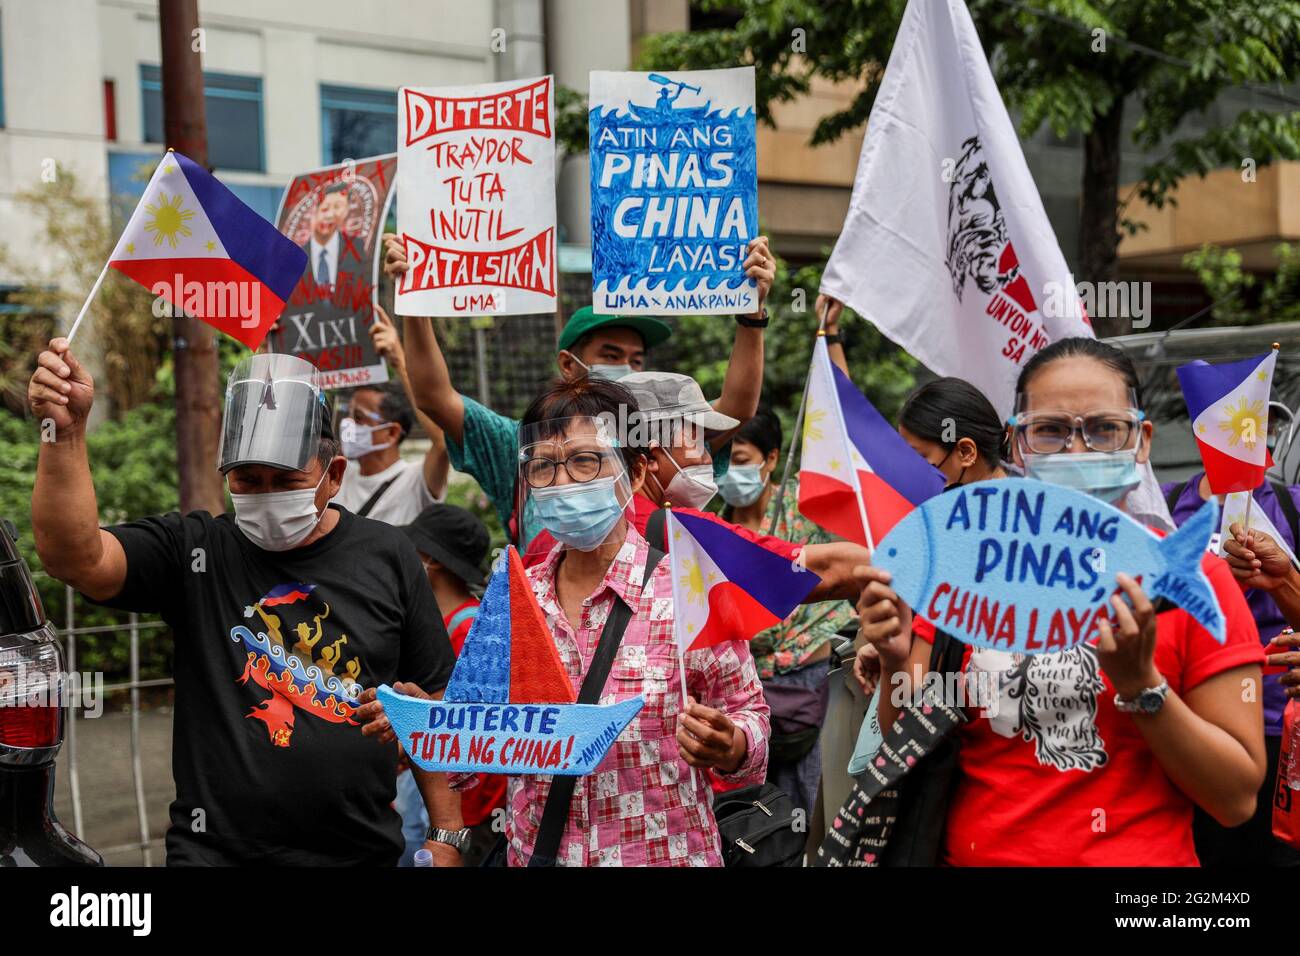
column 560, row 797
column 656, row 530
column 1287, row 504
column 374, row 499
column 1174, row 494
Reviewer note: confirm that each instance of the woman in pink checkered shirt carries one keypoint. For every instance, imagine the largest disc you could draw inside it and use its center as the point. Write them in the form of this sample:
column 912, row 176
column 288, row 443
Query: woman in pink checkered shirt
column 646, row 804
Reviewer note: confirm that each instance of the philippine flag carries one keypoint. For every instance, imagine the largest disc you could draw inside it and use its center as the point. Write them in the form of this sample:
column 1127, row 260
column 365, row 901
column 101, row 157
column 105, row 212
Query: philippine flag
column 1228, row 405
column 854, row 466
column 191, row 241
column 726, row 588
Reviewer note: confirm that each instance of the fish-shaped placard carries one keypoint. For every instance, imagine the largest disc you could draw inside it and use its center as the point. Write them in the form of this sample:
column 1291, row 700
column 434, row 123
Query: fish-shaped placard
column 1025, row 566
column 509, row 705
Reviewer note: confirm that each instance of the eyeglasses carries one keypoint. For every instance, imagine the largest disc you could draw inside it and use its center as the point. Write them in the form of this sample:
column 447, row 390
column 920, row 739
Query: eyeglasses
column 581, row 466
column 1047, row 433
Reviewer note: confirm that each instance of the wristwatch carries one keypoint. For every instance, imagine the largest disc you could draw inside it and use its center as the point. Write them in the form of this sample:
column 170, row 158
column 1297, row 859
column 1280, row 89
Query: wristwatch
column 1148, row 701
column 758, row 323
column 459, row 839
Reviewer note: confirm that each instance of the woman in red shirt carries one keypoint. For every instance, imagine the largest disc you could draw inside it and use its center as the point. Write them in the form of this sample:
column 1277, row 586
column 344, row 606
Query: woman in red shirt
column 1094, row 755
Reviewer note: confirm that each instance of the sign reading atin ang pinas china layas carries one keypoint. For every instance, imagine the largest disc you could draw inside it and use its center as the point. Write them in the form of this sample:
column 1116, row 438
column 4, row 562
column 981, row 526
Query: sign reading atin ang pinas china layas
column 476, row 198
column 674, row 192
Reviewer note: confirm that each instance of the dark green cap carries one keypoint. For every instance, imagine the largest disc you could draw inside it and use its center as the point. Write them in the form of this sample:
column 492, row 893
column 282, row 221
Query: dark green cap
column 585, row 320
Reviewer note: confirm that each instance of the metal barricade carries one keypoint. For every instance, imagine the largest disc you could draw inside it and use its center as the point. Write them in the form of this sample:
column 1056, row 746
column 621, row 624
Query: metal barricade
column 133, row 626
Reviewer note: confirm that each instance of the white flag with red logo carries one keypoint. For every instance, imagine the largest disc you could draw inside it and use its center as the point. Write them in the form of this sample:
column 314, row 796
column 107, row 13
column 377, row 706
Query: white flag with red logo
column 946, row 247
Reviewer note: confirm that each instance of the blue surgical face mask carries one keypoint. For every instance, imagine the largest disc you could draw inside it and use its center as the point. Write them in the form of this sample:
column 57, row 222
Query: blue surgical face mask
column 579, row 515
column 1107, row 475
column 742, row 485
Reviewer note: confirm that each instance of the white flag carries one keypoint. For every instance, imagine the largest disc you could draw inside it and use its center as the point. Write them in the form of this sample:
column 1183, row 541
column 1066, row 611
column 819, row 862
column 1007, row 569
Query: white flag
column 946, row 247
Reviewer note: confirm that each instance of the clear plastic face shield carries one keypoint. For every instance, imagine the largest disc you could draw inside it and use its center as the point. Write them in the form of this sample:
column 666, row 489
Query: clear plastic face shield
column 273, row 414
column 574, row 479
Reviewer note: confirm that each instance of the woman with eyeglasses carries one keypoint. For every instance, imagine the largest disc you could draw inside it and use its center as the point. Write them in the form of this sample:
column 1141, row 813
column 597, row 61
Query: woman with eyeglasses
column 1098, row 754
column 644, row 805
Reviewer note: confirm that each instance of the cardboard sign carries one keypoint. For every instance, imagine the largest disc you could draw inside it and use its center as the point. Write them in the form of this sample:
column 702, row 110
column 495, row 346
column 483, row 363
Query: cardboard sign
column 1028, row 567
column 476, row 198
column 674, row 192
column 336, row 216
column 565, row 739
column 508, row 707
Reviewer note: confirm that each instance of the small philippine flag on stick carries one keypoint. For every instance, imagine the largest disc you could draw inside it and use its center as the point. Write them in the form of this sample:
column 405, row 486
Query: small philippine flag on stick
column 726, row 588
column 1228, row 406
column 195, row 244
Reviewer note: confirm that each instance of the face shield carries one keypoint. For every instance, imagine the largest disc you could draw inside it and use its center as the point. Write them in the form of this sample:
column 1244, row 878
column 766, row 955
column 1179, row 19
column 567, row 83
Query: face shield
column 274, row 414
column 574, row 480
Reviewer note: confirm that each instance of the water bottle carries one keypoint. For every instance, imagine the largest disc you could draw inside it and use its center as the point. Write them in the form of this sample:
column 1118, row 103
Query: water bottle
column 424, row 857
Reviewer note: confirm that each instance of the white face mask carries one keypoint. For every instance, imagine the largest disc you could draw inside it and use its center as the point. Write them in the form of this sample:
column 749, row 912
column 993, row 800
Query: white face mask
column 692, row 486
column 278, row 520
column 357, row 439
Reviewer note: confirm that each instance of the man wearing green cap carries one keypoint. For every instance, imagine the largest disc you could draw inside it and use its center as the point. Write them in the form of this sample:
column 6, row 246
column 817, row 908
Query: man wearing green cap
column 484, row 444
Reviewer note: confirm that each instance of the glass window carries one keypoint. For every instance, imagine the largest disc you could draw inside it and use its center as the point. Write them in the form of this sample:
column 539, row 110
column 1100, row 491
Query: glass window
column 234, row 112
column 357, row 123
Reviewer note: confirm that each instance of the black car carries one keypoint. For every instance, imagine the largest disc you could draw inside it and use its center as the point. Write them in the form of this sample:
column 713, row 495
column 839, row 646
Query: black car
column 32, row 682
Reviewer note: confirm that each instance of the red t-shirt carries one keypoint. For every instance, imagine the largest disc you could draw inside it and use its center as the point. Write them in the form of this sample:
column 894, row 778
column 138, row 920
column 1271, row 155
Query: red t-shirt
column 477, row 803
column 1060, row 777
column 458, row 623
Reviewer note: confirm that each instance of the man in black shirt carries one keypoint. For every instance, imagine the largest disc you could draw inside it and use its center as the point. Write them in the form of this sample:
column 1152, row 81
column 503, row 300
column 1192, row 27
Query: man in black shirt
column 281, row 615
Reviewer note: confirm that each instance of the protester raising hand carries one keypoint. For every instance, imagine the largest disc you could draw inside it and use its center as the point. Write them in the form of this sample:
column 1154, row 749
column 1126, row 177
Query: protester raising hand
column 61, row 389
column 761, row 267
column 387, row 343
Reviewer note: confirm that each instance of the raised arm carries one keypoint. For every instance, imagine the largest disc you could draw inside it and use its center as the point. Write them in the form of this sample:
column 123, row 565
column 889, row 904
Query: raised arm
column 432, row 391
column 829, row 309
column 389, row 346
column 744, row 380
column 65, row 513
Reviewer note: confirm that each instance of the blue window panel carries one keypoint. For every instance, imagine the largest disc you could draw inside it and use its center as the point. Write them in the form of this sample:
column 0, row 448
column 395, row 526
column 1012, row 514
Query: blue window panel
column 356, row 123
column 233, row 105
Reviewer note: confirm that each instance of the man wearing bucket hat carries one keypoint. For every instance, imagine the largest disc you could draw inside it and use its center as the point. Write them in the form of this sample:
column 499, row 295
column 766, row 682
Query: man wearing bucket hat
column 483, row 443
column 280, row 613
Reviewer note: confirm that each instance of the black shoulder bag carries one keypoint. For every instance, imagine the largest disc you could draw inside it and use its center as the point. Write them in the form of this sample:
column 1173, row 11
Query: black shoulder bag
column 897, row 809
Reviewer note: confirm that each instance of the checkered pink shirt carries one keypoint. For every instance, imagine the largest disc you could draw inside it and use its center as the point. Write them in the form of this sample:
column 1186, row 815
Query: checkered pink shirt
column 640, row 808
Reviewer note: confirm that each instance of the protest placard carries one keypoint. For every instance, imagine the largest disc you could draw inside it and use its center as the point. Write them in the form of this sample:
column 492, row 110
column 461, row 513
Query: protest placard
column 674, row 192
column 476, row 199
column 1028, row 567
column 336, row 215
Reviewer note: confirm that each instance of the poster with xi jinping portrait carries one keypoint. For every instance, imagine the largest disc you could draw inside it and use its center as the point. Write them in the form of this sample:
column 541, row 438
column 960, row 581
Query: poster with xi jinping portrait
column 336, row 215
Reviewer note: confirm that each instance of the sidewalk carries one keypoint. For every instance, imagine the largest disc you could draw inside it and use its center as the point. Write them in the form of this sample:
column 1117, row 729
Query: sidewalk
column 107, row 789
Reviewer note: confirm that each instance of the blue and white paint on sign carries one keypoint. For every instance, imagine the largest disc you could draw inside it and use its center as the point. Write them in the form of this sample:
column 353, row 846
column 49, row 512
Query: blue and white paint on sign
column 674, row 192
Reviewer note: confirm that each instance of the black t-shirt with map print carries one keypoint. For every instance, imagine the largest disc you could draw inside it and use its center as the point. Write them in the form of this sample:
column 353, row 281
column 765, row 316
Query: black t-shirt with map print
column 270, row 649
